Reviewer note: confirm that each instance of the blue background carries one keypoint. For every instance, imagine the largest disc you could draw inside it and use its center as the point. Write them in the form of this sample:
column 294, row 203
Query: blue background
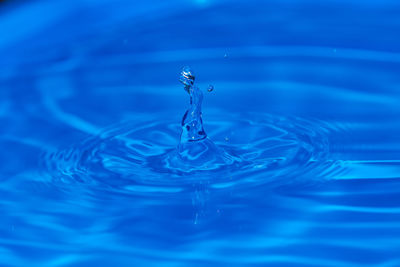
column 306, row 92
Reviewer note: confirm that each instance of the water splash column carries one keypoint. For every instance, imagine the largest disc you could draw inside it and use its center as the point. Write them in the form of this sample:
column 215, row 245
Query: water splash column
column 192, row 123
column 195, row 151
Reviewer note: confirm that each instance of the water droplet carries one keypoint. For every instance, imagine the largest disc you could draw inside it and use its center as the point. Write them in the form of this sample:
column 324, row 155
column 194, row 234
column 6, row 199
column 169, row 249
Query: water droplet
column 187, row 77
column 210, row 88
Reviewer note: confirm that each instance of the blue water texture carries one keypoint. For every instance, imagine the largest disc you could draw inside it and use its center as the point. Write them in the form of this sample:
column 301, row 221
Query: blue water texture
column 289, row 154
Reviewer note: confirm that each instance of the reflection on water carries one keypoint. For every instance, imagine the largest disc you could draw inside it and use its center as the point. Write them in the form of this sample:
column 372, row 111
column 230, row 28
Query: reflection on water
column 304, row 117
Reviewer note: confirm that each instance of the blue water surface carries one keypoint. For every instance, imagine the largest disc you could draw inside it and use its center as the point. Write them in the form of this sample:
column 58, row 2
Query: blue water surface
column 305, row 113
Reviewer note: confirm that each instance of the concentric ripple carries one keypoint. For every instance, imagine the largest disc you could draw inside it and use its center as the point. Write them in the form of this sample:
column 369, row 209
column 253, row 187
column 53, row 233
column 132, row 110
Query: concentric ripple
column 136, row 156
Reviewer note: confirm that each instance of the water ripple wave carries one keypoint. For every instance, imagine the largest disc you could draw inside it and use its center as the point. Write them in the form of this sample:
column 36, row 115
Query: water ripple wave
column 133, row 156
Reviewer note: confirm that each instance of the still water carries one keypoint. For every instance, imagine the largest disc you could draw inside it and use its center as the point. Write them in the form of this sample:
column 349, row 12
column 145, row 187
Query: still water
column 300, row 109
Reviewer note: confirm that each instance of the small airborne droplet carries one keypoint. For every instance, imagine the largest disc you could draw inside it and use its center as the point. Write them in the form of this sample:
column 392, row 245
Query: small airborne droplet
column 210, row 88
